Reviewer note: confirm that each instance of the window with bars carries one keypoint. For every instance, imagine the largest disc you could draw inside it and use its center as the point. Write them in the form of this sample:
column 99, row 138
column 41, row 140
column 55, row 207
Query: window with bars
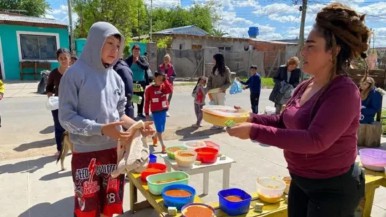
column 38, row 47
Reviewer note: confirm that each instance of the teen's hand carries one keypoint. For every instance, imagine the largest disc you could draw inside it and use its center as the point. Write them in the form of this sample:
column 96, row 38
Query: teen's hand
column 112, row 130
column 240, row 130
column 148, row 130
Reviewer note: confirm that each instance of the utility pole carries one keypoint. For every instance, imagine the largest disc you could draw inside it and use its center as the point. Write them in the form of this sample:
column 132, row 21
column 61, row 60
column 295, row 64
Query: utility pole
column 303, row 9
column 151, row 21
column 72, row 44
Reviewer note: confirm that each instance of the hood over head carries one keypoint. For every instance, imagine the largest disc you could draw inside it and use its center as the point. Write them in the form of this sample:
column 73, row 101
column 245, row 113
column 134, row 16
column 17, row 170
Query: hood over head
column 97, row 36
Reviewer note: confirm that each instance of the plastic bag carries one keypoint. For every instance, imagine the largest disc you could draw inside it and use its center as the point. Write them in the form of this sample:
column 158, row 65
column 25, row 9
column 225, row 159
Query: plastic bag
column 52, row 103
column 236, row 87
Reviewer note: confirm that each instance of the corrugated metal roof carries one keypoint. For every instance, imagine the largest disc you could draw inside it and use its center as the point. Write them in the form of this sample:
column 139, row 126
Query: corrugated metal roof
column 8, row 18
column 184, row 30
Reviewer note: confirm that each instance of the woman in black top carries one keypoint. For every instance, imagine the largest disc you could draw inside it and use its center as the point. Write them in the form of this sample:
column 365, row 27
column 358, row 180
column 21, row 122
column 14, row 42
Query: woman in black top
column 64, row 58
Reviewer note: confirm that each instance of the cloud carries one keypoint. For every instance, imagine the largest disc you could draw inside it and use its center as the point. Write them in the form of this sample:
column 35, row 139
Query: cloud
column 277, row 8
column 284, row 19
column 61, row 13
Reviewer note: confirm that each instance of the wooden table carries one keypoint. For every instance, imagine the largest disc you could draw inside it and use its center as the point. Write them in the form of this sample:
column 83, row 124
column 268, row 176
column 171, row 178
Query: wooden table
column 155, row 201
column 373, row 181
column 205, row 169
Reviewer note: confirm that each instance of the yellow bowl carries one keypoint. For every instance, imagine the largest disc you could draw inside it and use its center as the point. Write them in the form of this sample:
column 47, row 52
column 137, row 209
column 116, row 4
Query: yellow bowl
column 218, row 115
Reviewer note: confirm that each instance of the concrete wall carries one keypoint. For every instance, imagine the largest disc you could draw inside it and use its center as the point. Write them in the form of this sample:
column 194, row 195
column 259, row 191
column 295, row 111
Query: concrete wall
column 10, row 53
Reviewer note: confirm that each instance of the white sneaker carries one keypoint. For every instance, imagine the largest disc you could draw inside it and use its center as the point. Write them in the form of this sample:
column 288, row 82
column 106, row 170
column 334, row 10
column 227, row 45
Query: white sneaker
column 167, row 114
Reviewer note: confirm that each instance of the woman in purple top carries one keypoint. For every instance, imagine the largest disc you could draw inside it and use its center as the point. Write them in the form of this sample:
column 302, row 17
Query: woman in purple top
column 318, row 127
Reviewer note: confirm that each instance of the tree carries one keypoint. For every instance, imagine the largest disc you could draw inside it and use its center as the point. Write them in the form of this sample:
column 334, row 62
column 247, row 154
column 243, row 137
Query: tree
column 34, row 8
column 218, row 33
column 129, row 16
column 202, row 16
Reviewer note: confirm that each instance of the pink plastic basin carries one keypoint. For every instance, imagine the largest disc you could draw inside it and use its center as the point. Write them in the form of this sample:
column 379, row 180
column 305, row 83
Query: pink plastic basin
column 373, row 159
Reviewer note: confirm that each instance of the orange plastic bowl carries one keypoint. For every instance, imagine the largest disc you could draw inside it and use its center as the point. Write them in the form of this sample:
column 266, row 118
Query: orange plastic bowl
column 153, row 168
column 207, row 154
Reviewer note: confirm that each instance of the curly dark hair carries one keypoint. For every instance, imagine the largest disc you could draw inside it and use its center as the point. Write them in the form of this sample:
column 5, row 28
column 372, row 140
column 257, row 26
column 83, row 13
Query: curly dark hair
column 342, row 27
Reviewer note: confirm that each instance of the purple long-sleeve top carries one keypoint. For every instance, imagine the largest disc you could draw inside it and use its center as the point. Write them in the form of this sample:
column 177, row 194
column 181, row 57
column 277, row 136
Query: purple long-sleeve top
column 319, row 138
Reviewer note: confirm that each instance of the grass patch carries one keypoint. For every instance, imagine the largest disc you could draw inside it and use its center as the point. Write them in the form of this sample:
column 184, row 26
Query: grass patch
column 265, row 82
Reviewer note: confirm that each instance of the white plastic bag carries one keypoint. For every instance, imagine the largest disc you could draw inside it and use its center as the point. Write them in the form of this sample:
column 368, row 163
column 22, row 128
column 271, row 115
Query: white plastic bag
column 52, row 103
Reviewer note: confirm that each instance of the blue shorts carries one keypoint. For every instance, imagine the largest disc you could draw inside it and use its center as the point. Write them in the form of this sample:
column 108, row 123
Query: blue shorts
column 159, row 119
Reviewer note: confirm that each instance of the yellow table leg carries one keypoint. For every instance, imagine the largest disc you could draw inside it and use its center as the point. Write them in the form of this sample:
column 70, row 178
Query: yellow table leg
column 369, row 199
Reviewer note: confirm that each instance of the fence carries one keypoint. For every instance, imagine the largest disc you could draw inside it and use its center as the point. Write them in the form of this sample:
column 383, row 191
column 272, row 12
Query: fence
column 198, row 62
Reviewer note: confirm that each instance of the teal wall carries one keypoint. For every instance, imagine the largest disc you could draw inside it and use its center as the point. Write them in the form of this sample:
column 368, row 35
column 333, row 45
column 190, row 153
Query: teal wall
column 10, row 48
column 79, row 45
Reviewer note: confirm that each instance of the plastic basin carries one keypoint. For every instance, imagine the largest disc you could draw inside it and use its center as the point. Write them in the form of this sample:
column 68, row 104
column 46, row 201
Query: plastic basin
column 218, row 115
column 270, row 189
column 171, row 151
column 173, row 198
column 157, row 182
column 207, row 154
column 153, row 168
column 152, row 158
column 192, row 145
column 197, row 210
column 231, row 206
column 373, row 159
column 185, row 158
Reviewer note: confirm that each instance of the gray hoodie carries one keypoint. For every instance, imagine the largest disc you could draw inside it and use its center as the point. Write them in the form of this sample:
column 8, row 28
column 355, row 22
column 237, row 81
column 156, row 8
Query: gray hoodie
column 91, row 94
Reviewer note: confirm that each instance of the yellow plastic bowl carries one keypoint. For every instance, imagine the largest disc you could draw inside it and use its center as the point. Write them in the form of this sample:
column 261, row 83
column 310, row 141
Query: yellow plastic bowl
column 218, row 115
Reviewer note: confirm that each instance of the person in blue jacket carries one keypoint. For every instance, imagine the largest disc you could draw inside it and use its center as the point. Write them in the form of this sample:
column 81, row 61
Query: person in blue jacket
column 126, row 75
column 371, row 100
column 254, row 85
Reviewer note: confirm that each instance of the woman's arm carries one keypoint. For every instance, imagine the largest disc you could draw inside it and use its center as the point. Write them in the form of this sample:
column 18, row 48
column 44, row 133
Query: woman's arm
column 50, row 84
column 332, row 119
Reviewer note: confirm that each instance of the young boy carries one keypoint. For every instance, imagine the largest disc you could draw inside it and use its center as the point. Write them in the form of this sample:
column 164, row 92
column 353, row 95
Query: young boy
column 254, row 85
column 156, row 100
column 92, row 110
column 2, row 89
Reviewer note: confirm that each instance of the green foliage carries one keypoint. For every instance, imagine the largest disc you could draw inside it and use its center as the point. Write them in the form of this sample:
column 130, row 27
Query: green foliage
column 202, row 16
column 164, row 42
column 34, row 8
column 218, row 33
column 129, row 16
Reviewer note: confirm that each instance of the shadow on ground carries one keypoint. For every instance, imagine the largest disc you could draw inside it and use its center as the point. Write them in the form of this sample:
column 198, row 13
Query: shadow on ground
column 47, row 130
column 61, row 208
column 193, row 132
column 29, row 166
column 36, row 144
column 56, row 175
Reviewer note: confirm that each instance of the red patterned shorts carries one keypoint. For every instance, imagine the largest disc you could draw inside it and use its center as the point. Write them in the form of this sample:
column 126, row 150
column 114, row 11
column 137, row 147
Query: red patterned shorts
column 95, row 191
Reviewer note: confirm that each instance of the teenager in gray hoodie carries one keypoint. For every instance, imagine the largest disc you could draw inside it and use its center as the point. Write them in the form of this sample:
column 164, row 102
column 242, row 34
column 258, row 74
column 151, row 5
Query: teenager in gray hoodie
column 92, row 110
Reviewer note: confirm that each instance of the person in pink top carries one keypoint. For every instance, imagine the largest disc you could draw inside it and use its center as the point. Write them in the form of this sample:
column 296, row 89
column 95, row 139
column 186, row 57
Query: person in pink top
column 168, row 68
column 318, row 128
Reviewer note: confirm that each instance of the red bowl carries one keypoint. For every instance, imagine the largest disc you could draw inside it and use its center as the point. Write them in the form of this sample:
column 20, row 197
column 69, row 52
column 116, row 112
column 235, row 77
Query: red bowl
column 207, row 154
column 153, row 168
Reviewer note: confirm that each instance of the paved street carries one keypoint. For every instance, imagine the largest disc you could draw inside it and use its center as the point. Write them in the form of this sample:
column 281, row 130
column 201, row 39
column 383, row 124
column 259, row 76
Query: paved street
column 36, row 188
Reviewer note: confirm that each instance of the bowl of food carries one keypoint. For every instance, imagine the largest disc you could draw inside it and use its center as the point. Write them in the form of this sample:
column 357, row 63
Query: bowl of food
column 270, row 189
column 171, row 151
column 152, row 168
column 197, row 210
column 178, row 195
column 185, row 158
column 234, row 201
column 157, row 182
column 207, row 155
column 373, row 159
column 219, row 115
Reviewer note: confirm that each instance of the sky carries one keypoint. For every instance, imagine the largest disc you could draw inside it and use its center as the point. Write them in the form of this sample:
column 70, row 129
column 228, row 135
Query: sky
column 276, row 19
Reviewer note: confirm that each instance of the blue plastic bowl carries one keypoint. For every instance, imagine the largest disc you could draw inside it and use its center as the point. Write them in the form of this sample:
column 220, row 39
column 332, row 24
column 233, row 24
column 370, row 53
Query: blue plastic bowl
column 178, row 202
column 234, row 208
column 152, row 158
